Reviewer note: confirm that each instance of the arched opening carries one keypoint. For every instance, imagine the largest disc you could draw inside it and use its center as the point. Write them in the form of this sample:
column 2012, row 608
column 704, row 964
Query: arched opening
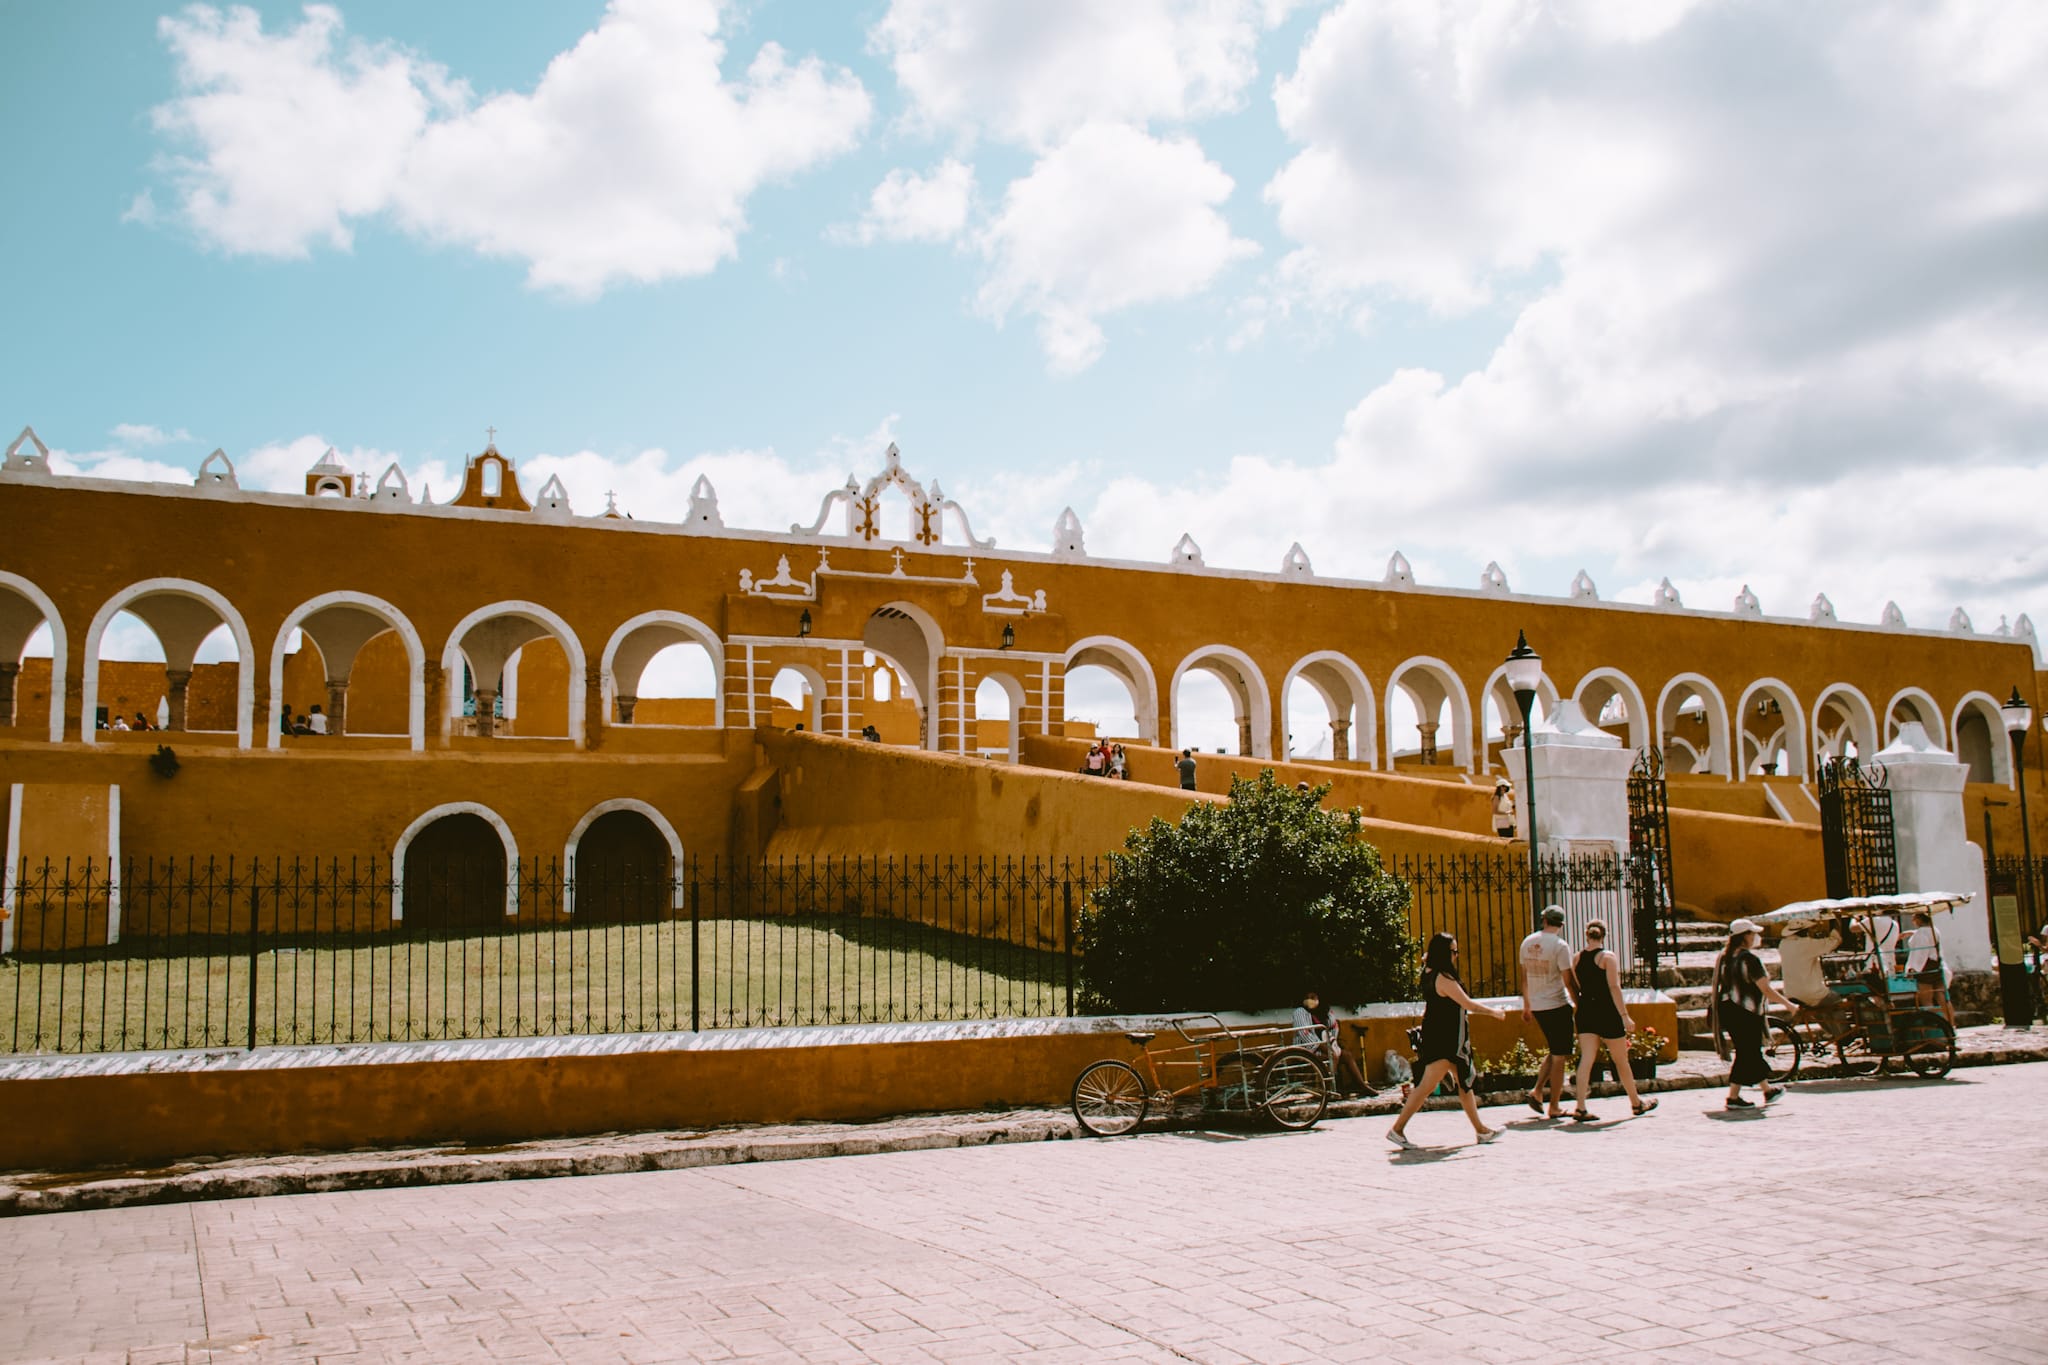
column 1844, row 725
column 33, row 660
column 1110, row 687
column 622, row 867
column 524, row 663
column 1329, row 710
column 453, row 874
column 1428, row 714
column 1503, row 717
column 174, row 652
column 1911, row 704
column 1981, row 744
column 1610, row 699
column 998, row 706
column 1771, row 724
column 665, row 668
column 1692, row 726
column 910, row 641
column 365, row 668
column 796, row 696
column 1196, row 713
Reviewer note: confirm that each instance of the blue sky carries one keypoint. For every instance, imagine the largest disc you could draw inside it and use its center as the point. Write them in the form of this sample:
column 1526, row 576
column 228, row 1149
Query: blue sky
column 1709, row 291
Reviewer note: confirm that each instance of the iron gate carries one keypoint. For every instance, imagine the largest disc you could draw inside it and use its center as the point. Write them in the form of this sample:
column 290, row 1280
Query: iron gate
column 1856, row 829
column 1649, row 855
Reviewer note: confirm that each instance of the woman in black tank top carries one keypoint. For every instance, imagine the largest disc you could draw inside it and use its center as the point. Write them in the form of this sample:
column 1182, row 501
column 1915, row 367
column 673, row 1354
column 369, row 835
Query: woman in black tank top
column 1602, row 1019
column 1446, row 1051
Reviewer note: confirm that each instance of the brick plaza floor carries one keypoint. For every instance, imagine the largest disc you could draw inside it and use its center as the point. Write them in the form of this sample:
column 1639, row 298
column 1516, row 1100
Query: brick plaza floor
column 1854, row 1221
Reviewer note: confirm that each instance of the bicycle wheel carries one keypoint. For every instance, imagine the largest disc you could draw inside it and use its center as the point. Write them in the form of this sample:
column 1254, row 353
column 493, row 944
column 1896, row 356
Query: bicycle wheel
column 1293, row 1090
column 1931, row 1045
column 1853, row 1054
column 1109, row 1099
column 1781, row 1050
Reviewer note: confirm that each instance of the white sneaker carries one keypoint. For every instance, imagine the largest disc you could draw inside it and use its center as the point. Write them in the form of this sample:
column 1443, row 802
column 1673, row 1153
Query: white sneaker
column 1399, row 1139
column 1493, row 1136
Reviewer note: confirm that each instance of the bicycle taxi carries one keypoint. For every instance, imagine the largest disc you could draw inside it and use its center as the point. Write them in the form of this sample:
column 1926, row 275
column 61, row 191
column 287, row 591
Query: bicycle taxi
column 1889, row 993
column 1260, row 1070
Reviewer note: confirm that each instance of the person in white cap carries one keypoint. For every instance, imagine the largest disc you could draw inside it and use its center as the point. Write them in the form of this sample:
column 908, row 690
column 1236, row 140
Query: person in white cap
column 1736, row 1011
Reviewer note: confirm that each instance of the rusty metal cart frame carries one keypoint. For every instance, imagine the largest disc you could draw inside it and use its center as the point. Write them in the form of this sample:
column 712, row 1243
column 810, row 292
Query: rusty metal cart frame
column 1244, row 1071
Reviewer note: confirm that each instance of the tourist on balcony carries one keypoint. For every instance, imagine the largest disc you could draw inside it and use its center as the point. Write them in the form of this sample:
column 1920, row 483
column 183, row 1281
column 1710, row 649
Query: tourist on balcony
column 1446, row 1050
column 1186, row 768
column 316, row 722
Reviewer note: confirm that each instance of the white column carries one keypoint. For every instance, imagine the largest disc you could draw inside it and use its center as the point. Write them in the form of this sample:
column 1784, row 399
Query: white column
column 1932, row 838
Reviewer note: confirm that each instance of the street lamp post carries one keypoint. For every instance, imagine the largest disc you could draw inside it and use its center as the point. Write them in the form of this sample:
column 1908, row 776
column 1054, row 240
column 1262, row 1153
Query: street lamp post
column 1525, row 671
column 2019, row 718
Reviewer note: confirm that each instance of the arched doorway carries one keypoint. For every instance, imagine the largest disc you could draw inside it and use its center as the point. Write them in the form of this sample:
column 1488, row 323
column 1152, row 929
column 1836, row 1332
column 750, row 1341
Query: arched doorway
column 1692, row 726
column 1428, row 711
column 488, row 642
column 1503, row 717
column 29, row 621
column 796, row 696
column 1772, row 726
column 621, row 865
column 453, row 873
column 346, row 629
column 1912, row 704
column 673, row 662
column 1844, row 725
column 911, row 641
column 1329, row 709
column 1981, row 744
column 1611, row 700
column 178, row 625
column 998, row 707
column 1109, row 686
column 1244, row 694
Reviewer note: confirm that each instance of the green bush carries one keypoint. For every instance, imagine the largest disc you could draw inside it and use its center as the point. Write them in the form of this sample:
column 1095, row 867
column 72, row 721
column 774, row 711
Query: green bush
column 1242, row 906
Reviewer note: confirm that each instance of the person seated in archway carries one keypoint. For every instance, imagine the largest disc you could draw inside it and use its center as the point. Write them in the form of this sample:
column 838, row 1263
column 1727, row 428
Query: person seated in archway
column 316, row 722
column 301, row 726
column 284, row 720
column 141, row 722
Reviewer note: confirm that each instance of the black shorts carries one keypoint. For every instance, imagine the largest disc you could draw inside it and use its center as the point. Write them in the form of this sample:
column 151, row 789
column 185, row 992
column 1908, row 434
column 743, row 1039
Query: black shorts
column 1558, row 1034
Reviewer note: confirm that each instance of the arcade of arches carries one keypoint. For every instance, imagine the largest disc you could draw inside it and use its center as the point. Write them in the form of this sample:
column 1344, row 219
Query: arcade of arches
column 579, row 661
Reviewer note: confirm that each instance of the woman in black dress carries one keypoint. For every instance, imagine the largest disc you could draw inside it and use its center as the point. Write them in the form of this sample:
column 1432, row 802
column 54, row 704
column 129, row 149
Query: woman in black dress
column 1741, row 985
column 1603, row 1019
column 1446, row 1052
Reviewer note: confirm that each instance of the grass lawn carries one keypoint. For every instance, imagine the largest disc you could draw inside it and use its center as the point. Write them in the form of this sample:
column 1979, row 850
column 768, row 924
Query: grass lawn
column 580, row 978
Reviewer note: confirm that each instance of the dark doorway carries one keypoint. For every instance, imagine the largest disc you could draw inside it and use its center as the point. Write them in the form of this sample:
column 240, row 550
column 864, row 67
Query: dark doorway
column 622, row 869
column 455, row 875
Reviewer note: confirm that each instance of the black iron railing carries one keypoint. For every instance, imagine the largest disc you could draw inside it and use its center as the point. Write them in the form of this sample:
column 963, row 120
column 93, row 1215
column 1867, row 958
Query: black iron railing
column 244, row 953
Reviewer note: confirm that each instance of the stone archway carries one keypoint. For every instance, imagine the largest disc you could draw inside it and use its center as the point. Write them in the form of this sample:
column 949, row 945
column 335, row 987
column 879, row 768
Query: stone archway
column 1346, row 696
column 1980, row 740
column 453, row 865
column 487, row 639
column 1842, row 715
column 340, row 624
column 23, row 608
column 1246, row 687
column 635, row 644
column 1432, row 687
column 1497, row 698
column 1913, row 704
column 1013, row 693
column 811, row 685
column 1706, row 717
column 1770, row 718
column 181, row 614
column 911, row 640
column 1127, row 664
column 622, row 861
column 1603, row 693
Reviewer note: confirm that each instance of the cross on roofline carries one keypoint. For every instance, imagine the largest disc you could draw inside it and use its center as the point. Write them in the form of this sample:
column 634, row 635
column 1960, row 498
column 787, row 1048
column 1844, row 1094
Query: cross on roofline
column 492, row 433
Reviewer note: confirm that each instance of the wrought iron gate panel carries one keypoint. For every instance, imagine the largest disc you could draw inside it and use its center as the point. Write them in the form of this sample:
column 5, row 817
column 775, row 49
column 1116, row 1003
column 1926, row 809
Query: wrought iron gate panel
column 1649, row 854
column 1856, row 833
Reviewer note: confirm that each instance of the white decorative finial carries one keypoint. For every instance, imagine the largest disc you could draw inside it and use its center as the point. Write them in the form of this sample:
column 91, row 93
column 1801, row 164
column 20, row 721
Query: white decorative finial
column 1295, row 564
column 1959, row 622
column 1582, row 588
column 1491, row 578
column 2003, row 628
column 703, row 513
column 1667, row 596
column 217, row 473
column 1399, row 575
column 1746, row 603
column 1186, row 554
column 18, row 463
column 1822, row 612
column 553, row 498
column 1892, row 618
column 1066, row 537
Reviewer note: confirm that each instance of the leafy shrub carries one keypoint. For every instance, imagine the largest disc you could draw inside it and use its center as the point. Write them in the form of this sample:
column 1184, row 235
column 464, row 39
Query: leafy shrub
column 1244, row 906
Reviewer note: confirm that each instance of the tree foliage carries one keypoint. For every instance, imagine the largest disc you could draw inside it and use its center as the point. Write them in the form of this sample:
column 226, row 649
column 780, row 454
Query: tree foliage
column 1242, row 906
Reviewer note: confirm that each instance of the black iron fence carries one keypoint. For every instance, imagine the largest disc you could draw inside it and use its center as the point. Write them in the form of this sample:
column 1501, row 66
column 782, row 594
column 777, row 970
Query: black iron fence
column 209, row 953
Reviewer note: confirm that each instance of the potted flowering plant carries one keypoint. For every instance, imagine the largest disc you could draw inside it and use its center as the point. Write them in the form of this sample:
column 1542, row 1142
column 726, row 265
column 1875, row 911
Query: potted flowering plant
column 1645, row 1046
column 1514, row 1069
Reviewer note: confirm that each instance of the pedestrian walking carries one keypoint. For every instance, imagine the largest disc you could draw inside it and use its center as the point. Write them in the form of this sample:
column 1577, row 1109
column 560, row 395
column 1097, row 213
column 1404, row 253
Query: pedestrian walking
column 1547, row 987
column 1603, row 1019
column 1736, row 1012
column 1446, row 1051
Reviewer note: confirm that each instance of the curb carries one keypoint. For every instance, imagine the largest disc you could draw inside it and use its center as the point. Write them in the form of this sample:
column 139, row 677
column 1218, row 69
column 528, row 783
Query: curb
column 32, row 1193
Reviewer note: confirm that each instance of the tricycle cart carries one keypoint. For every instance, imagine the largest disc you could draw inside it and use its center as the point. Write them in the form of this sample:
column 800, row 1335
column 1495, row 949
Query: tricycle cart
column 1238, row 1071
column 1880, row 1012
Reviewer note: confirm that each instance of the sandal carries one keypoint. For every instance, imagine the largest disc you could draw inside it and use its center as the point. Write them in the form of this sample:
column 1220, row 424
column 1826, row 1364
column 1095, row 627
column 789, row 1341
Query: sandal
column 1535, row 1104
column 1645, row 1107
column 1582, row 1116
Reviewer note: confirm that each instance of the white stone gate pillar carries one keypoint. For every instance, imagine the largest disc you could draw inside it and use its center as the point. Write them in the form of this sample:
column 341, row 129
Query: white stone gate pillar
column 1934, row 849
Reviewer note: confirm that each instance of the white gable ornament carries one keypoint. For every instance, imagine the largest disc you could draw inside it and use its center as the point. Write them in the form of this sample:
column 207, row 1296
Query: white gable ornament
column 1296, row 564
column 392, row 487
column 1822, row 612
column 2023, row 629
column 1582, row 589
column 862, row 504
column 1186, row 554
column 2003, row 628
column 1959, row 622
column 1892, row 618
column 36, row 463
column 217, row 474
column 1667, row 596
column 1746, row 603
column 703, row 514
column 1491, row 579
column 1007, row 601
column 1399, row 574
column 1066, row 537
column 553, row 499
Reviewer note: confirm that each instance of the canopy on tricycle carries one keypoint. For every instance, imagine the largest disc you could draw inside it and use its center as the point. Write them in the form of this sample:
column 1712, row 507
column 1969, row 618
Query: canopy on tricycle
column 1809, row 912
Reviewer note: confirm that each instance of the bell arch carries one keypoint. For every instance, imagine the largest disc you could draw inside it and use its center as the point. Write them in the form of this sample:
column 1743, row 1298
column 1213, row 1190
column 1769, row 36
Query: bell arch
column 633, row 646
column 340, row 624
column 1912, row 703
column 488, row 637
column 427, row 819
column 1246, row 685
column 1602, row 687
column 1348, row 695
column 175, row 610
column 1770, row 716
column 1431, row 685
column 618, row 806
column 1713, row 720
column 1127, row 663
column 24, row 607
column 1859, row 723
column 1980, row 739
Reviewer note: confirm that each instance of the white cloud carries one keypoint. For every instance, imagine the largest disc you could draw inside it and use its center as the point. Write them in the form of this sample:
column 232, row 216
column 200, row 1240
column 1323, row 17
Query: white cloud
column 1110, row 219
column 1032, row 71
column 141, row 209
column 907, row 207
column 143, row 434
column 632, row 159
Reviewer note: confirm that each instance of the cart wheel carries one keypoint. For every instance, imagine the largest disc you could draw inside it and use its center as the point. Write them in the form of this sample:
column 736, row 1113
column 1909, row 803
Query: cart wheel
column 1853, row 1055
column 1781, row 1050
column 1293, row 1089
column 1109, row 1099
column 1932, row 1050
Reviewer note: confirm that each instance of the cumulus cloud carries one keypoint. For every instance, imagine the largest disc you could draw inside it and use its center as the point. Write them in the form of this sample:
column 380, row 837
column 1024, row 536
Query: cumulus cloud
column 907, row 207
column 1111, row 218
column 144, row 434
column 632, row 159
column 1032, row 71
